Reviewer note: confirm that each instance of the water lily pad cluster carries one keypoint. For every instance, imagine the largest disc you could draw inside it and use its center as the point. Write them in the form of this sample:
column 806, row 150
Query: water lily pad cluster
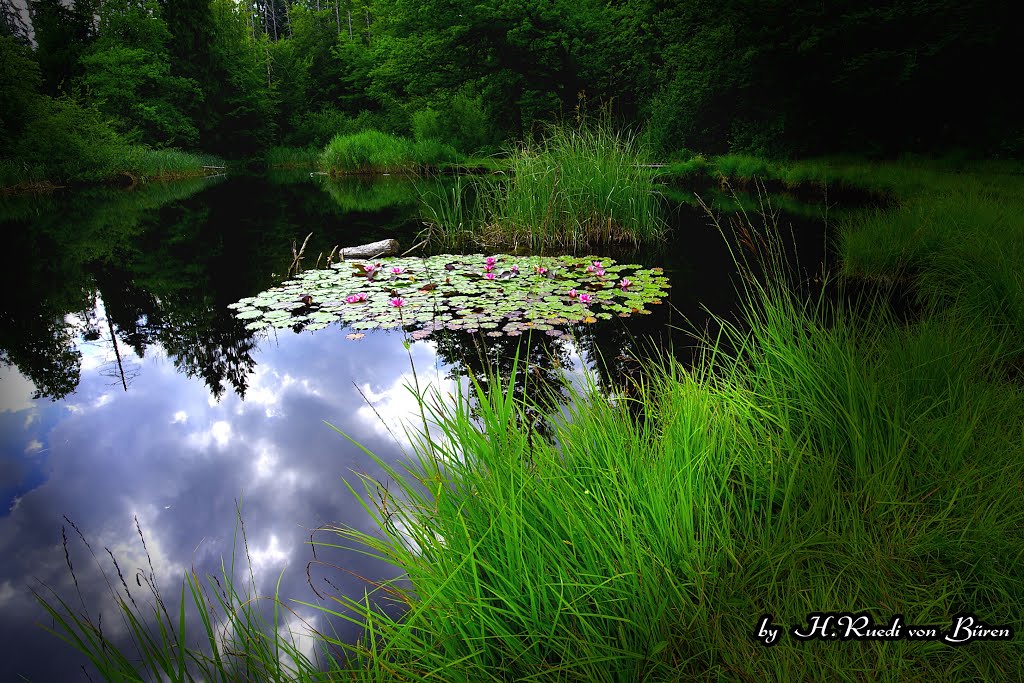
column 496, row 295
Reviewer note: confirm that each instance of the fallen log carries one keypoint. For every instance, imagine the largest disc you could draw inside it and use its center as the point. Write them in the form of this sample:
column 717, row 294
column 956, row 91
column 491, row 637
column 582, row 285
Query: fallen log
column 371, row 250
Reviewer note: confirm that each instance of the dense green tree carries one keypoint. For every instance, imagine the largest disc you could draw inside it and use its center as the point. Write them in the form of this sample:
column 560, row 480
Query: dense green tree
column 516, row 54
column 127, row 74
column 19, row 82
column 240, row 110
column 812, row 77
column 764, row 76
column 63, row 33
column 190, row 23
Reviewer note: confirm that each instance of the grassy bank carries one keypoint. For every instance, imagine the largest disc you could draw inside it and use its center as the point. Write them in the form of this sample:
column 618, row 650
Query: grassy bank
column 848, row 467
column 835, row 461
column 904, row 178
column 371, row 151
column 839, row 461
column 102, row 164
column 572, row 188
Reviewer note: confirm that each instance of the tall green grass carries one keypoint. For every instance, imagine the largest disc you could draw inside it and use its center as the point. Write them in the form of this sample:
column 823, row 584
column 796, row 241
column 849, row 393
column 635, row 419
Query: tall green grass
column 572, row 188
column 960, row 242
column 371, row 151
column 453, row 212
column 147, row 163
column 845, row 465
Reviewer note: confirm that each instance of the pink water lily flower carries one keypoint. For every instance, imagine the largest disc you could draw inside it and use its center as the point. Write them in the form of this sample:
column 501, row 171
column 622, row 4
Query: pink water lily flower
column 355, row 298
column 398, row 270
column 489, row 267
column 599, row 273
column 541, row 270
column 515, row 268
column 397, row 302
column 573, row 294
column 597, row 264
column 590, row 269
column 369, row 269
column 625, row 283
column 585, row 298
column 490, row 260
column 489, row 276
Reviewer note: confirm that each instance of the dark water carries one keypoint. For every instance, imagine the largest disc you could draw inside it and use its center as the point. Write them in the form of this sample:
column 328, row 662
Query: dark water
column 129, row 392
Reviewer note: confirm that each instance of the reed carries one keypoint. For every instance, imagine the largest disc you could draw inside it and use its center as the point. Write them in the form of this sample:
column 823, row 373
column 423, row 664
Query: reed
column 573, row 188
column 371, row 151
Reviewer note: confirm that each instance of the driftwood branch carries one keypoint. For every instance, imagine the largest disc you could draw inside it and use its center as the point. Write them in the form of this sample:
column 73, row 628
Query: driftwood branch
column 297, row 256
column 371, row 250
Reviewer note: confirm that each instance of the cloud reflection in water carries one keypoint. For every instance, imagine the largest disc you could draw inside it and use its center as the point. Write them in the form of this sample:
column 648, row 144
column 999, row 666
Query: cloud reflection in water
column 165, row 452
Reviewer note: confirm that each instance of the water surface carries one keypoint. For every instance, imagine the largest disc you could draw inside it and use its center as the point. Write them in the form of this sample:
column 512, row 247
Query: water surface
column 130, row 395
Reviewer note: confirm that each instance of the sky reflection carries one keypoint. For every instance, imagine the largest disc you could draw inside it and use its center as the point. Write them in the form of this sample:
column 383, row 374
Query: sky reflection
column 169, row 454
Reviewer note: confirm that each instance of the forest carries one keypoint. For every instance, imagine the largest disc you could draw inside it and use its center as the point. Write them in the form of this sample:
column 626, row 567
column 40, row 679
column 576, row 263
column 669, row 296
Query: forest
column 91, row 87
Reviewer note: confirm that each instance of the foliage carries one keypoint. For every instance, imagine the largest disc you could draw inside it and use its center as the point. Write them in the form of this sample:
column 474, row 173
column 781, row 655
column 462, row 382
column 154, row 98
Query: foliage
column 761, row 79
column 728, row 77
column 499, row 295
column 237, row 114
column 518, row 56
column 373, row 151
column 459, row 121
column 19, row 82
column 127, row 74
column 317, row 128
column 72, row 141
column 63, row 33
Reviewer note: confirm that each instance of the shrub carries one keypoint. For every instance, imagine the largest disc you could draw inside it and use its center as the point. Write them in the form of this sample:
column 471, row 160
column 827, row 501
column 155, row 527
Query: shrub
column 460, row 122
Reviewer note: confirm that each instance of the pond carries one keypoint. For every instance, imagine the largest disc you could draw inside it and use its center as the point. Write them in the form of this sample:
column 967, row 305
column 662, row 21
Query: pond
column 135, row 405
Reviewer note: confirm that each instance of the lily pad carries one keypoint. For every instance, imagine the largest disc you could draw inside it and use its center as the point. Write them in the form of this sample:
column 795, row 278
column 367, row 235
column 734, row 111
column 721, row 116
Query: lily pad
column 450, row 292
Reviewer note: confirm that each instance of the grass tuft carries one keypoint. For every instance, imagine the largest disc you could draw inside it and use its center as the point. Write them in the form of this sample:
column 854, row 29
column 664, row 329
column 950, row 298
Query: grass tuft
column 371, row 151
column 573, row 188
